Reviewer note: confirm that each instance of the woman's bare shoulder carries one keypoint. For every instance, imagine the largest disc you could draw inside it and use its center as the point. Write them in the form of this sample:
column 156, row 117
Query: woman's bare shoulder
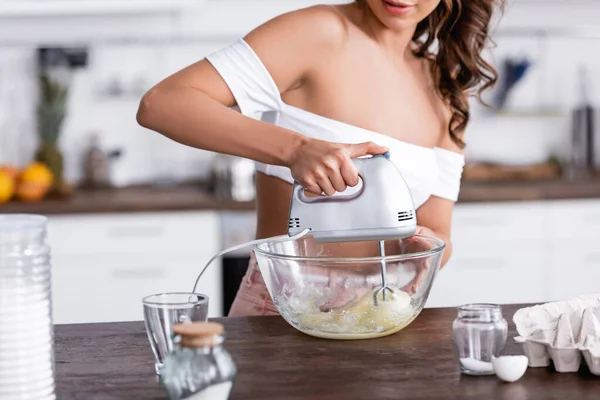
column 295, row 44
column 317, row 27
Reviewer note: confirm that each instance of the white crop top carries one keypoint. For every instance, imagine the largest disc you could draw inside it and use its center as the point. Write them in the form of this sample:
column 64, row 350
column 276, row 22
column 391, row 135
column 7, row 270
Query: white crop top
column 427, row 171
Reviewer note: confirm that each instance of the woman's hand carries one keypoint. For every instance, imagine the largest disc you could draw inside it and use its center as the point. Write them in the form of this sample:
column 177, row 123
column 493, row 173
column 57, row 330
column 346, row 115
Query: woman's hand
column 415, row 244
column 325, row 167
column 349, row 284
column 424, row 231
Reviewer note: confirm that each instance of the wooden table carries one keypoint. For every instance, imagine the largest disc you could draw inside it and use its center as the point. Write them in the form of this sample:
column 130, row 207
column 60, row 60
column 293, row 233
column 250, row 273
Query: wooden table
column 114, row 361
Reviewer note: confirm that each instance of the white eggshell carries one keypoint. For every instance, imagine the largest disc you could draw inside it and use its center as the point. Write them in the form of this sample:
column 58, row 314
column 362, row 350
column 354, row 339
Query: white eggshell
column 510, row 368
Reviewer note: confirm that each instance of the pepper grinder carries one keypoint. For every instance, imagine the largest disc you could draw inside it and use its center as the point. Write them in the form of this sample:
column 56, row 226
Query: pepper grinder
column 97, row 165
column 582, row 133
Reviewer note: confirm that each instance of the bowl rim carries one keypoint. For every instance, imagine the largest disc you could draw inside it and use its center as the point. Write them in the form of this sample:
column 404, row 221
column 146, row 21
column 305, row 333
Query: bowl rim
column 441, row 245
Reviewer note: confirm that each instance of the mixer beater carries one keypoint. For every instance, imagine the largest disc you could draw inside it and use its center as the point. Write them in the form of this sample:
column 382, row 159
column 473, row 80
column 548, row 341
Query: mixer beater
column 384, row 286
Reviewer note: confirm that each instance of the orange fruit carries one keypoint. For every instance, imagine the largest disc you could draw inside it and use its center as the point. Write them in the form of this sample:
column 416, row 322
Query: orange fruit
column 31, row 191
column 7, row 187
column 11, row 171
column 37, row 172
column 34, row 182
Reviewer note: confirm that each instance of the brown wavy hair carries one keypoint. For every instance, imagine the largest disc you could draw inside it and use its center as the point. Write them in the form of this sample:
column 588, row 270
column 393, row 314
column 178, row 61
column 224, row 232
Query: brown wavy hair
column 460, row 30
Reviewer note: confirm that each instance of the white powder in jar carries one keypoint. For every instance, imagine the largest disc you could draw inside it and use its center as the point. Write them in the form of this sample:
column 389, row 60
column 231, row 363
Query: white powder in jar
column 219, row 391
column 477, row 365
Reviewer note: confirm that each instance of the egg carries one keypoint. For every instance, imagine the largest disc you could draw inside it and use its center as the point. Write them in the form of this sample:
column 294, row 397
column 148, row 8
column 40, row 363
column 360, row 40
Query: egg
column 509, row 368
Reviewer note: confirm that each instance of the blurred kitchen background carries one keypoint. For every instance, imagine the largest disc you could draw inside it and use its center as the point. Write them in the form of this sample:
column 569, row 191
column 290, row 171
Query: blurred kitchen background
column 136, row 214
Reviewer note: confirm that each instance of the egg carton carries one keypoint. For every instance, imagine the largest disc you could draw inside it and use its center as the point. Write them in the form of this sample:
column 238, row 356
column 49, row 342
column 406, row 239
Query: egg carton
column 561, row 332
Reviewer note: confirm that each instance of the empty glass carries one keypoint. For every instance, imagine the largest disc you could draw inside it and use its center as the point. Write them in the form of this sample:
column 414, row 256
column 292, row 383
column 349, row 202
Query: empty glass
column 162, row 311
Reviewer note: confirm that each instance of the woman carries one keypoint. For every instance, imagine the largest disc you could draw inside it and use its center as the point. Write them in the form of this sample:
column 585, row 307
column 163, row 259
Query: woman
column 322, row 85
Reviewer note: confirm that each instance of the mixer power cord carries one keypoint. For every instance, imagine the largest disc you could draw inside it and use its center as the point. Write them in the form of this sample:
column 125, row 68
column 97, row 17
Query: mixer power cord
column 277, row 239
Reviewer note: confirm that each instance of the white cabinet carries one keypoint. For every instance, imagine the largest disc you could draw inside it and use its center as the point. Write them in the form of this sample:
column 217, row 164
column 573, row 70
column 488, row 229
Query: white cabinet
column 573, row 269
column 573, row 248
column 486, row 273
column 521, row 252
column 573, row 219
column 497, row 249
column 497, row 223
column 63, row 21
column 104, row 264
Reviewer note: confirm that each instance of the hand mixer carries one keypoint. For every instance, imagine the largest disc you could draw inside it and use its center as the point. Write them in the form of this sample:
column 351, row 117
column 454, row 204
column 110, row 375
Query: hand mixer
column 381, row 209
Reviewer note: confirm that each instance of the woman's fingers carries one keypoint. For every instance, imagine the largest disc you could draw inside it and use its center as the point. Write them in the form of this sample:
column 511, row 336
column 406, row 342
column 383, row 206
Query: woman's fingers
column 312, row 187
column 349, row 173
column 366, row 148
column 337, row 181
column 420, row 273
column 325, row 185
column 325, row 167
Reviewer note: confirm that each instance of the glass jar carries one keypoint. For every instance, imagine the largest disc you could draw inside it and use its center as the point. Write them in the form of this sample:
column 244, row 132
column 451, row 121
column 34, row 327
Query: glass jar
column 199, row 367
column 26, row 333
column 479, row 333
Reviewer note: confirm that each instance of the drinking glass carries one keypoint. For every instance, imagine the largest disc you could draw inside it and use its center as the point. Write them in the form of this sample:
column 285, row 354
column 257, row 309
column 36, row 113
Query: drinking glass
column 162, row 311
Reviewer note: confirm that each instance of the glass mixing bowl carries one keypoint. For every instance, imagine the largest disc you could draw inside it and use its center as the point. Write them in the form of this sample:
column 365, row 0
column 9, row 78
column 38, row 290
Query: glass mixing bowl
column 328, row 290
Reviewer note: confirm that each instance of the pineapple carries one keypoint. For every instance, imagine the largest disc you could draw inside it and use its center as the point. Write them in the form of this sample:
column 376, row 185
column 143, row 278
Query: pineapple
column 50, row 115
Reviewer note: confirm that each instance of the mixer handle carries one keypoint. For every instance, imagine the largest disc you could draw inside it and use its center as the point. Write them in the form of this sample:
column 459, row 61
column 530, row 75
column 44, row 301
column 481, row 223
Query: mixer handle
column 300, row 196
column 298, row 190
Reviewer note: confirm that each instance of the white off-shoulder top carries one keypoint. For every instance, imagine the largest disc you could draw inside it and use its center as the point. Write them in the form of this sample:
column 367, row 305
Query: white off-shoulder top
column 427, row 171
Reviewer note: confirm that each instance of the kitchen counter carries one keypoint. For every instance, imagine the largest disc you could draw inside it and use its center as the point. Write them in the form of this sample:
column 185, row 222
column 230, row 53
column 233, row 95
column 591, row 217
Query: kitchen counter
column 114, row 361
column 192, row 197
column 552, row 189
column 131, row 199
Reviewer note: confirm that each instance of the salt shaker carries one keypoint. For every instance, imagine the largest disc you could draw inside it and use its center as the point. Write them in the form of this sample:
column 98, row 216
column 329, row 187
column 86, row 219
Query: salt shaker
column 479, row 332
column 199, row 367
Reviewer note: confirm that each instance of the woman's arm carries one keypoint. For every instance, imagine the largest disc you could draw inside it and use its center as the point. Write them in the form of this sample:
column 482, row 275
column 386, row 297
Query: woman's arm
column 436, row 213
column 192, row 105
column 436, row 216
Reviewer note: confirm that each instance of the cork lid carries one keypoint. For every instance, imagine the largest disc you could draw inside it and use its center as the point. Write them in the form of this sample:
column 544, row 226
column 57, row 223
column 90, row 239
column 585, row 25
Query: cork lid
column 197, row 334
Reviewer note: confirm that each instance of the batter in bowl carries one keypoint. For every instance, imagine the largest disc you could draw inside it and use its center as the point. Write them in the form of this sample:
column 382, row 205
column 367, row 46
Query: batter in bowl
column 360, row 320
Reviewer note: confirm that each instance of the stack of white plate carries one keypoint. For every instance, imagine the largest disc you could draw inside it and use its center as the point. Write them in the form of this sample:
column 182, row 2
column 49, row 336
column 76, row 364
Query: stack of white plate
column 26, row 333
